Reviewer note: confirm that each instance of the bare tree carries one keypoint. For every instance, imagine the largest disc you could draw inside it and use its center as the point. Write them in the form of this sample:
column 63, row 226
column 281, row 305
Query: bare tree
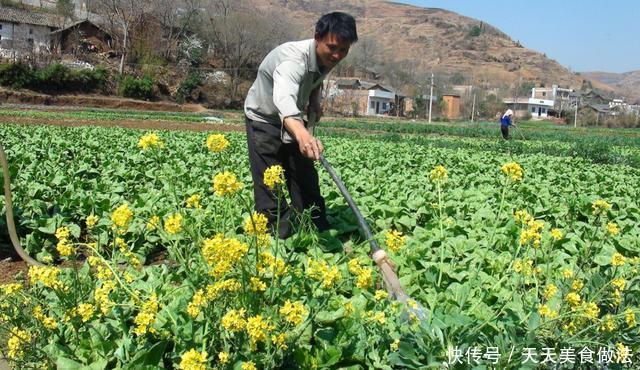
column 366, row 52
column 121, row 15
column 241, row 36
column 177, row 17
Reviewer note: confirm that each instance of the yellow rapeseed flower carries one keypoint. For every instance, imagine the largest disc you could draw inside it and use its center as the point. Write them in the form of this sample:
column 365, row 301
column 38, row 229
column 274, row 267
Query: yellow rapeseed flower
column 273, row 176
column 380, row 295
column 619, row 283
column 591, row 310
column 10, row 288
column 618, row 259
column 85, row 311
column 293, row 312
column 91, row 221
column 613, row 229
column 193, row 360
column 377, row 316
column 222, row 253
column 194, row 201
column 198, row 301
column 608, row 324
column 63, row 233
column 630, row 318
column 257, row 285
column 439, row 174
column 17, row 342
column 320, row 271
column 556, row 234
column 545, row 311
column 46, row 275
column 513, row 171
column 150, row 141
column 248, row 365
column 600, row 207
column 216, row 289
column 223, row 357
column 573, row 299
column 255, row 224
column 64, row 247
column 349, row 309
column 173, row 224
column 153, row 223
column 122, row 216
column 394, row 345
column 567, row 273
column 49, row 323
column 226, row 184
column 234, row 320
column 364, row 279
column 280, row 341
column 101, row 296
column 550, row 291
column 576, row 285
column 522, row 217
column 395, row 240
column 257, row 329
column 616, row 296
column 216, row 143
column 147, row 316
column 570, row 327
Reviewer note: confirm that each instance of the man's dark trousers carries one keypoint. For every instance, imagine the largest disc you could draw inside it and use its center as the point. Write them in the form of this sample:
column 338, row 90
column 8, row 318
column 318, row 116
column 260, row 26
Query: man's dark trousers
column 267, row 149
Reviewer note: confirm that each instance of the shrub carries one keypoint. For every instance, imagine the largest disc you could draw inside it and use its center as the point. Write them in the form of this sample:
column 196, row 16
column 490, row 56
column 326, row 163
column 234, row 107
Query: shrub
column 187, row 86
column 138, row 88
column 16, row 75
column 475, row 31
column 53, row 77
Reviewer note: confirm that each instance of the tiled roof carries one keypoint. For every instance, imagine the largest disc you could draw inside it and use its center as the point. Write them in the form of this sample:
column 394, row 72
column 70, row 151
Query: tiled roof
column 15, row 15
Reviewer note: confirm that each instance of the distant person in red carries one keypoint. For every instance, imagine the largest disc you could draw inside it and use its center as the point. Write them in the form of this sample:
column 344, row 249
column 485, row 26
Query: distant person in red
column 505, row 122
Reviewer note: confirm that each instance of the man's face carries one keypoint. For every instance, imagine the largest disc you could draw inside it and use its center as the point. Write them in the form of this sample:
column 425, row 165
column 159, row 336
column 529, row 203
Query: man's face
column 331, row 50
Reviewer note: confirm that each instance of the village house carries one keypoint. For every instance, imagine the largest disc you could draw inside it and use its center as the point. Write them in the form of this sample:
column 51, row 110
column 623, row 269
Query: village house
column 23, row 32
column 83, row 36
column 358, row 97
column 544, row 102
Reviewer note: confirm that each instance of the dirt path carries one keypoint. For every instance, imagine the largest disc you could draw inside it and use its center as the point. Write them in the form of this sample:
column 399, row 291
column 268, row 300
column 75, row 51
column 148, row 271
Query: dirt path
column 136, row 124
column 92, row 100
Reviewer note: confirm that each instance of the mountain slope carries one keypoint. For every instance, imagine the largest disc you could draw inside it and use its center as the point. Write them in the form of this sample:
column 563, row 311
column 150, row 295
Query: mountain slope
column 437, row 39
column 627, row 83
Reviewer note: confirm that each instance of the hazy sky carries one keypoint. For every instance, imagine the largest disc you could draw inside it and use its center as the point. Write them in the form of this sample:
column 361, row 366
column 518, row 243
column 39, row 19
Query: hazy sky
column 584, row 35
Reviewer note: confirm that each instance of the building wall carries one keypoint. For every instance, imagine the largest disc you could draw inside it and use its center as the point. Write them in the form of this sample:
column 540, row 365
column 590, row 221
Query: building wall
column 6, row 34
column 542, row 93
column 452, row 110
column 25, row 38
column 384, row 105
column 538, row 111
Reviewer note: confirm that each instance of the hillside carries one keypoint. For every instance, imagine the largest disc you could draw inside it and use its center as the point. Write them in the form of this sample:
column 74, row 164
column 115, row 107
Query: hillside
column 439, row 40
column 627, row 83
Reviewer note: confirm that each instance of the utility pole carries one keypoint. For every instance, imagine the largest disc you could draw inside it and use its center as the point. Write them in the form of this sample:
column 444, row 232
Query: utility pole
column 431, row 97
column 575, row 116
column 473, row 107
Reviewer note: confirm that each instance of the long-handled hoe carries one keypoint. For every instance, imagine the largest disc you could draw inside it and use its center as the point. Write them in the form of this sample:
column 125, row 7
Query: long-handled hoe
column 378, row 255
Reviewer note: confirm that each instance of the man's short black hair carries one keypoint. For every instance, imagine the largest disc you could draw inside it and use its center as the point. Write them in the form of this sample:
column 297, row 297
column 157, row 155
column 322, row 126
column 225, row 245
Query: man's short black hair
column 341, row 24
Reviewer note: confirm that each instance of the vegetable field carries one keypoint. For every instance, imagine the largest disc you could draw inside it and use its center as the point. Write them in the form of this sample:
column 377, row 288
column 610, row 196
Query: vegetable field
column 519, row 254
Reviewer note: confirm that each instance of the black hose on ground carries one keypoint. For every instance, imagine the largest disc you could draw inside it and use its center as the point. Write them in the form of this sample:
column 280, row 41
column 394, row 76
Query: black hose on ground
column 9, row 212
